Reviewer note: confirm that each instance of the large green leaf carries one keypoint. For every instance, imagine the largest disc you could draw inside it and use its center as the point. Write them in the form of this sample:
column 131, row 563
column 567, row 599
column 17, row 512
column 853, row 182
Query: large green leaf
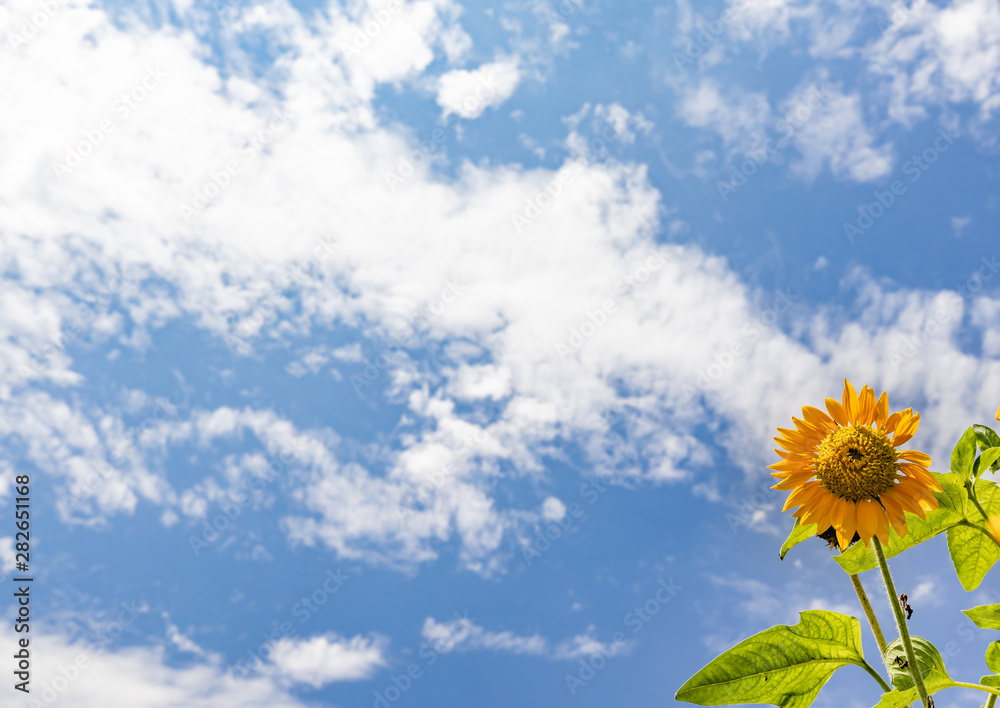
column 951, row 501
column 986, row 437
column 988, row 495
column 973, row 554
column 928, row 658
column 984, row 616
column 993, row 657
column 991, row 681
column 964, row 454
column 799, row 534
column 934, row 681
column 785, row 665
column 972, row 551
column 986, row 460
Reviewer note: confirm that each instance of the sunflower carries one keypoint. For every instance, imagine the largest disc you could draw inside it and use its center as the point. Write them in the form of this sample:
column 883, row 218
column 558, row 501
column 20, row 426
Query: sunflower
column 846, row 474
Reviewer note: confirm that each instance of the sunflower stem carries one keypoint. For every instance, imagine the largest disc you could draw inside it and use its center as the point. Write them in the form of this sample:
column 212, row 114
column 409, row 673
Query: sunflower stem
column 886, row 688
column 904, row 633
column 992, row 701
column 869, row 613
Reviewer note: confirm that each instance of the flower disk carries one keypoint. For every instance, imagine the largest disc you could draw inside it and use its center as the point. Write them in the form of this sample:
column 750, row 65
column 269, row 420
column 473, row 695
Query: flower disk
column 845, row 472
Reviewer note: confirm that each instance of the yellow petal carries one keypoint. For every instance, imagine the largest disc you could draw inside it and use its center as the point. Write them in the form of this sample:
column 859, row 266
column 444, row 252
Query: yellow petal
column 837, row 412
column 916, row 457
column 792, row 482
column 921, row 475
column 894, row 507
column 809, row 430
column 882, row 410
column 819, row 511
column 882, row 530
column 789, row 466
column 818, row 419
column 800, row 495
column 867, row 520
column 867, row 403
column 905, row 430
column 848, row 525
column 851, row 405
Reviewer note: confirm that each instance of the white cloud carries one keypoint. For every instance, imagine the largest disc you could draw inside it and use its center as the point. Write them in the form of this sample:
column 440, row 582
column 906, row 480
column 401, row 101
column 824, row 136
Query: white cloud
column 739, row 117
column 622, row 121
column 553, row 509
column 943, row 54
column 325, row 659
column 74, row 675
column 836, row 135
column 462, row 634
column 469, row 93
column 393, row 41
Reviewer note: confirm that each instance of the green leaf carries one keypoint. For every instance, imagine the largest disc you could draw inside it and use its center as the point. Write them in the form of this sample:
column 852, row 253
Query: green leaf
column 987, row 460
column 928, row 659
column 991, row 681
column 973, row 554
column 986, row 437
column 964, row 454
column 972, row 551
column 785, row 665
column 799, row 534
column 859, row 558
column 993, row 657
column 984, row 616
column 934, row 681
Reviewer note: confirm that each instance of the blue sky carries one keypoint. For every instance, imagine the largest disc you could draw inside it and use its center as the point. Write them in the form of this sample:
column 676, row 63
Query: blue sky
column 427, row 353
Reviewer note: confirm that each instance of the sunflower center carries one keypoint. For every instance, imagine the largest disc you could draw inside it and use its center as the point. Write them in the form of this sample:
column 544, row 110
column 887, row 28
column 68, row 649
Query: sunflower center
column 856, row 462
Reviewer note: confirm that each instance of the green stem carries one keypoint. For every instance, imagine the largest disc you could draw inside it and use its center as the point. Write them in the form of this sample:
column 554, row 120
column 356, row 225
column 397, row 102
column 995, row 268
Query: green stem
column 980, row 687
column 904, row 633
column 869, row 613
column 886, row 688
